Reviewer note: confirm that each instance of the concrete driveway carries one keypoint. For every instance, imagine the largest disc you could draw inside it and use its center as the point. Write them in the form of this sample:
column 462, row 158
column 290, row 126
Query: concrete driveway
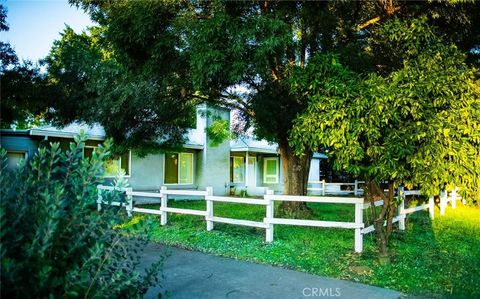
column 190, row 274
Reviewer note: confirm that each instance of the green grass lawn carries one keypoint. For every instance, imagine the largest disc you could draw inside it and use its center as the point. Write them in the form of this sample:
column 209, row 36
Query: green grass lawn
column 439, row 258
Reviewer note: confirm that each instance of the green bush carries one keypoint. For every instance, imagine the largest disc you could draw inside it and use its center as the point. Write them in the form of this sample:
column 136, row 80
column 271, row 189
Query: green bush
column 53, row 241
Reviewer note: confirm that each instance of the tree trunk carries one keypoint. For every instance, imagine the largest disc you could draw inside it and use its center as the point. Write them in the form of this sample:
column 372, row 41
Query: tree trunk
column 373, row 193
column 295, row 178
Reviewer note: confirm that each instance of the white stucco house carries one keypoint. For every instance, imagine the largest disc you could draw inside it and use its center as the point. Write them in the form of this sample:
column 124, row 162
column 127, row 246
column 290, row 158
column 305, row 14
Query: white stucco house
column 245, row 166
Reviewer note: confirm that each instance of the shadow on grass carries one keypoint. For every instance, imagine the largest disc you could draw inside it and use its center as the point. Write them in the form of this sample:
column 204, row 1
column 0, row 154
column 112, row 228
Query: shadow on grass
column 433, row 259
column 439, row 258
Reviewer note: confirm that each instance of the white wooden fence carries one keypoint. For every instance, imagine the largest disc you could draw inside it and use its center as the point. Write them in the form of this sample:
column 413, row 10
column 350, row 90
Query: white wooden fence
column 449, row 197
column 402, row 212
column 358, row 225
column 324, row 188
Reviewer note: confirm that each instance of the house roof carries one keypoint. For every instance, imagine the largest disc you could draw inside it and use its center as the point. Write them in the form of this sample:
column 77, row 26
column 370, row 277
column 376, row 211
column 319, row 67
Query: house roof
column 320, row 156
column 14, row 132
column 93, row 132
column 248, row 144
column 195, row 138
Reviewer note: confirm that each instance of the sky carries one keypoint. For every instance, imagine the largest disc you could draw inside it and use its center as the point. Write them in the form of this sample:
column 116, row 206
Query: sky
column 34, row 25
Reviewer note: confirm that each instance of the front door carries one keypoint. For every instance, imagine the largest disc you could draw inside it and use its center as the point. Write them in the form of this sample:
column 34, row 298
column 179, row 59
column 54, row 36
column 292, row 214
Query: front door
column 252, row 178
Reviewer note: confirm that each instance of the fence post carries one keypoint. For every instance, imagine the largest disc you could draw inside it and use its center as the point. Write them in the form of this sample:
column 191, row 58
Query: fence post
column 269, row 215
column 129, row 206
column 443, row 202
column 431, row 207
column 453, row 196
column 209, row 204
column 401, row 207
column 355, row 190
column 163, row 205
column 323, row 187
column 358, row 230
column 99, row 199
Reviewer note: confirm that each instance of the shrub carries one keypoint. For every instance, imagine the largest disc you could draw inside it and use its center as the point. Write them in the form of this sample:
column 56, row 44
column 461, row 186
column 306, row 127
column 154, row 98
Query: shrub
column 53, row 241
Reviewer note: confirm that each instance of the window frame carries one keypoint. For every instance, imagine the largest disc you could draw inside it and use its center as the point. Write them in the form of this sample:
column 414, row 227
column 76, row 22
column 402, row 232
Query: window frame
column 178, row 169
column 119, row 161
column 232, row 180
column 265, row 175
column 24, row 152
column 254, row 158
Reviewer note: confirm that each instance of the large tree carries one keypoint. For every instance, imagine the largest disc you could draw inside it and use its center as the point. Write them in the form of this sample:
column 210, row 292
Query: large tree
column 237, row 54
column 139, row 98
column 418, row 125
column 25, row 91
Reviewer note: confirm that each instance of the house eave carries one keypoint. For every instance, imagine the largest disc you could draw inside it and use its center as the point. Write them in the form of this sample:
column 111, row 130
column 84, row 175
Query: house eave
column 12, row 132
column 194, row 146
column 254, row 150
column 59, row 134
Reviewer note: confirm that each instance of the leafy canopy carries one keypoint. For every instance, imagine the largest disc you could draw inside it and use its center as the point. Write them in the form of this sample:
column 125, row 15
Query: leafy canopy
column 25, row 93
column 125, row 74
column 166, row 56
column 54, row 243
column 418, row 125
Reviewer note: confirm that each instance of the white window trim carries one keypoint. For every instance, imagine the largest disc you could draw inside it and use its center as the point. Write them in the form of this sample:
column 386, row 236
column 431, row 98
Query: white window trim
column 119, row 161
column 233, row 169
column 25, row 153
column 265, row 170
column 178, row 166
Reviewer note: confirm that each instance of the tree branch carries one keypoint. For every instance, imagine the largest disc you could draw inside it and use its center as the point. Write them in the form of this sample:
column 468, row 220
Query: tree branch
column 377, row 19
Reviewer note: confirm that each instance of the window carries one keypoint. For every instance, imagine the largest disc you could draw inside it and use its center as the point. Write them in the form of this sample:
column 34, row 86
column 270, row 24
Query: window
column 270, row 170
column 237, row 169
column 113, row 166
column 178, row 168
column 88, row 151
column 14, row 158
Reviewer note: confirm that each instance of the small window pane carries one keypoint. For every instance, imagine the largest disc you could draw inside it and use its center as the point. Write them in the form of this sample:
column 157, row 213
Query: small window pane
column 112, row 167
column 270, row 171
column 171, row 168
column 271, row 167
column 186, row 168
column 271, row 180
column 238, row 169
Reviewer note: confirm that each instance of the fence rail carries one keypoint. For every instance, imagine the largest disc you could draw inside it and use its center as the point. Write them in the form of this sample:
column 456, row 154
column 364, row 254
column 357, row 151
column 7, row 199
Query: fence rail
column 128, row 204
column 326, row 188
column 449, row 197
column 268, row 222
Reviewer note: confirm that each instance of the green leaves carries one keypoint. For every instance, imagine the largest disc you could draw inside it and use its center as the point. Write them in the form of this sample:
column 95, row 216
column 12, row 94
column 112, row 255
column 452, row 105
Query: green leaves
column 218, row 131
column 416, row 125
column 54, row 242
column 129, row 74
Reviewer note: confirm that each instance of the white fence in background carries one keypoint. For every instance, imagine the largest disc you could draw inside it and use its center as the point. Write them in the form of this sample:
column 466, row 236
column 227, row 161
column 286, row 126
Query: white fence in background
column 401, row 211
column 358, row 225
column 323, row 188
column 449, row 197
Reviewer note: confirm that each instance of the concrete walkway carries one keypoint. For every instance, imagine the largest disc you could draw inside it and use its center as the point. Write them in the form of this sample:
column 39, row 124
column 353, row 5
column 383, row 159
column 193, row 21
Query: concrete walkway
column 190, row 274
